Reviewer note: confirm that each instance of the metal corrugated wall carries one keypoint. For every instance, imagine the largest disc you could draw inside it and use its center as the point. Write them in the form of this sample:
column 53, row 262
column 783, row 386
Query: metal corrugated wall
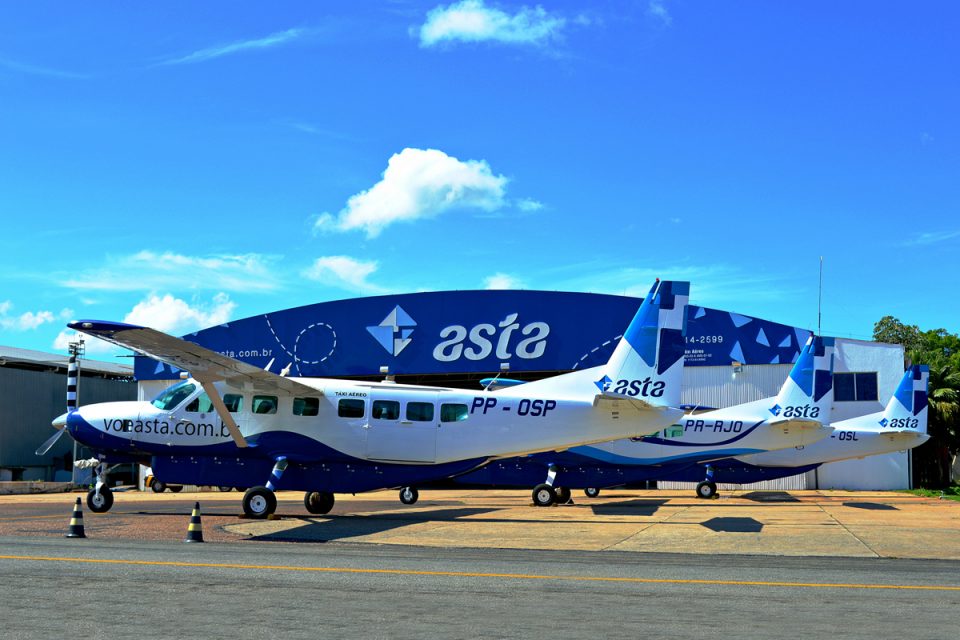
column 722, row 387
column 27, row 398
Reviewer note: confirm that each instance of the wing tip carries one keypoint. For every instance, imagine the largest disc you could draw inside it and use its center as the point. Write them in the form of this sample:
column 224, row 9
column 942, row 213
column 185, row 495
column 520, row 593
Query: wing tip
column 101, row 326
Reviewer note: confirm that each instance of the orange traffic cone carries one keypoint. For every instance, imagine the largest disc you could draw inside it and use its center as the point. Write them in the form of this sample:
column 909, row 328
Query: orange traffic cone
column 195, row 530
column 76, row 523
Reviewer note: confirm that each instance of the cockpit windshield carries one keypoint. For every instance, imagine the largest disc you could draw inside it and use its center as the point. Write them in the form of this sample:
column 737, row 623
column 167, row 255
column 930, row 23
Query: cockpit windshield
column 172, row 397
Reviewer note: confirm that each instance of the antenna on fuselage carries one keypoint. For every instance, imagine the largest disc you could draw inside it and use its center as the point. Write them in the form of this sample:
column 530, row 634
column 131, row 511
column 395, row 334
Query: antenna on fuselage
column 385, row 370
column 504, row 367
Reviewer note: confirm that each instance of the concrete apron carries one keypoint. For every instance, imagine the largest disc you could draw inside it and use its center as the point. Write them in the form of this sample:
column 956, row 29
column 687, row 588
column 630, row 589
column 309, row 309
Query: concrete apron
column 798, row 523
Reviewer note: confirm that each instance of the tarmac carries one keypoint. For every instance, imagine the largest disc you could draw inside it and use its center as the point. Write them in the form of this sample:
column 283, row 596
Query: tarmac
column 796, row 523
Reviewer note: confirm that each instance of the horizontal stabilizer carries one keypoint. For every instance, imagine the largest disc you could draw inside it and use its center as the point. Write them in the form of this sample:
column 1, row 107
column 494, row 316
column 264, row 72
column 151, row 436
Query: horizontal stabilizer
column 626, row 407
column 792, row 424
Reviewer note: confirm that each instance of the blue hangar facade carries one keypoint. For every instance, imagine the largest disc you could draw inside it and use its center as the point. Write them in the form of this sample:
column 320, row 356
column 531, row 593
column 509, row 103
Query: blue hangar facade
column 456, row 338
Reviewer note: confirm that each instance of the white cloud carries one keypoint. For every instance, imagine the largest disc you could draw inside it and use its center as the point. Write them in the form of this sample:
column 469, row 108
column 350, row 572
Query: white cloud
column 658, row 10
column 150, row 271
column 473, row 21
column 528, row 205
column 419, row 183
column 173, row 315
column 502, row 281
column 931, row 237
column 92, row 345
column 26, row 321
column 272, row 40
column 344, row 272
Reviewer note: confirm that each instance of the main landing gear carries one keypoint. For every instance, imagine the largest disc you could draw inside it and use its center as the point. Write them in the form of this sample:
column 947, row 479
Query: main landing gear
column 545, row 494
column 591, row 492
column 318, row 502
column 261, row 502
column 409, row 495
column 707, row 489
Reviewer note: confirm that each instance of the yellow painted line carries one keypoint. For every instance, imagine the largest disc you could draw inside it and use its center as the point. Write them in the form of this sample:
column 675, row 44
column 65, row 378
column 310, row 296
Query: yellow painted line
column 478, row 574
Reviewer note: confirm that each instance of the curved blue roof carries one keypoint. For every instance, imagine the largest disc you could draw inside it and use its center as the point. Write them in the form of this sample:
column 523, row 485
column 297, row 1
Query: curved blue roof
column 473, row 332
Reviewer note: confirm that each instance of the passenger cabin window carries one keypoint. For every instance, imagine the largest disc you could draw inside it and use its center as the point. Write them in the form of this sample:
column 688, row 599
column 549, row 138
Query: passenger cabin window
column 264, row 404
column 420, row 411
column 350, row 408
column 306, row 406
column 234, row 402
column 386, row 410
column 200, row 404
column 855, row 387
column 171, row 398
column 453, row 412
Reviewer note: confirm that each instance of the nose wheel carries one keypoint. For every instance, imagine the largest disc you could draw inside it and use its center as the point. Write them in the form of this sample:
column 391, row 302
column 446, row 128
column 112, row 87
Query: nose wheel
column 409, row 495
column 706, row 489
column 100, row 502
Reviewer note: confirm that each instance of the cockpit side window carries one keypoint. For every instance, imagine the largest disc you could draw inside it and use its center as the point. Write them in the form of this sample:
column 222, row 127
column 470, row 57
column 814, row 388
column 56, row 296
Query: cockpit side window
column 200, row 404
column 171, row 398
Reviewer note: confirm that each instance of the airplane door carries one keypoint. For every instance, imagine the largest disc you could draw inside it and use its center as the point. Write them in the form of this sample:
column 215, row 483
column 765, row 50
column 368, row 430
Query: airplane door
column 403, row 428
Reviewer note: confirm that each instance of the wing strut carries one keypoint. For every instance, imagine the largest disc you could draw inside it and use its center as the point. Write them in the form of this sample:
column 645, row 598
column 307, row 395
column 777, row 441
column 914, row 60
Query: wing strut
column 221, row 408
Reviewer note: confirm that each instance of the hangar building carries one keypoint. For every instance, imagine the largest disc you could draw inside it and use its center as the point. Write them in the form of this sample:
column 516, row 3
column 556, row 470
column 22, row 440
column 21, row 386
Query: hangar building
column 33, row 391
column 456, row 338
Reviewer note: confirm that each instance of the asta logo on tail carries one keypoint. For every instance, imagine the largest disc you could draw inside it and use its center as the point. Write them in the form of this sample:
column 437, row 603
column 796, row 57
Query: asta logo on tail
column 646, row 387
column 805, row 411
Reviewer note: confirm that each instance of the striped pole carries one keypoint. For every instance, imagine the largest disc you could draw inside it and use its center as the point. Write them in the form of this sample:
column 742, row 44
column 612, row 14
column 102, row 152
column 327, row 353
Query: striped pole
column 72, row 383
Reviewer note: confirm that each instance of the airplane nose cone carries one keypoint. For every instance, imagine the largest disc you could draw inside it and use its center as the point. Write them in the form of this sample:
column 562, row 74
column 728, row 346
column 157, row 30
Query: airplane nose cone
column 60, row 421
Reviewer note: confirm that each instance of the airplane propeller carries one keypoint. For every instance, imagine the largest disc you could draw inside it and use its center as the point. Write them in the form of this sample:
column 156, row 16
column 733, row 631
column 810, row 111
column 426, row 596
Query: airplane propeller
column 60, row 423
column 52, row 440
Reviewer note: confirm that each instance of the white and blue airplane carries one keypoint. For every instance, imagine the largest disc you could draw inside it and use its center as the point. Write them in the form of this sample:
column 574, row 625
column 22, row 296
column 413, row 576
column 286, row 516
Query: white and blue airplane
column 229, row 423
column 900, row 426
column 798, row 416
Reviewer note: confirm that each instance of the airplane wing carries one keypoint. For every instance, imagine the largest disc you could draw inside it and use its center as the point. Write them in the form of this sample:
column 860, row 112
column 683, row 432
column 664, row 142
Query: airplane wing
column 203, row 364
column 621, row 406
column 795, row 423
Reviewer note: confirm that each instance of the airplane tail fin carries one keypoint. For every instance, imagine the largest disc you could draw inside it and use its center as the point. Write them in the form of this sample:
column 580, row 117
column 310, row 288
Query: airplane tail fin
column 808, row 391
column 907, row 409
column 647, row 363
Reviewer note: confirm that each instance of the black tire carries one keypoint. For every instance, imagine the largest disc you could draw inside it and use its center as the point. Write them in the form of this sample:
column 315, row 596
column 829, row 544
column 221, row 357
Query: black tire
column 409, row 495
column 225, row 489
column 157, row 486
column 318, row 502
column 100, row 503
column 176, row 488
column 259, row 502
column 706, row 490
column 544, row 495
column 563, row 495
column 591, row 492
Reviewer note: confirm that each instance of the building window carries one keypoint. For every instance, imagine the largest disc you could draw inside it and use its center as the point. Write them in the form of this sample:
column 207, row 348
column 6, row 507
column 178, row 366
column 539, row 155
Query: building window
column 264, row 404
column 453, row 412
column 420, row 411
column 234, row 402
column 306, row 406
column 855, row 387
column 386, row 410
column 348, row 408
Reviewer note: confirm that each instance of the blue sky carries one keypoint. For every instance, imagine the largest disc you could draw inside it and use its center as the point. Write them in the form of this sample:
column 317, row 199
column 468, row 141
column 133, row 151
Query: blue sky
column 184, row 164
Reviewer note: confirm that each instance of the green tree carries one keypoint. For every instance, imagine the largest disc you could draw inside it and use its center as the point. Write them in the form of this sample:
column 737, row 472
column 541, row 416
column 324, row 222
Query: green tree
column 939, row 349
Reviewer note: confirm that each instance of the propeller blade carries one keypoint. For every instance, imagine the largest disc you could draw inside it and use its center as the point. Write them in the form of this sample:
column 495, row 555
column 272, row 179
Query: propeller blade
column 46, row 446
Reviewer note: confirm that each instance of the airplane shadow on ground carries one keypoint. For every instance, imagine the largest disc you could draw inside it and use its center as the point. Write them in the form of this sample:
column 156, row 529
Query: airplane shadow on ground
column 872, row 506
column 733, row 525
column 769, row 496
column 636, row 507
column 339, row 527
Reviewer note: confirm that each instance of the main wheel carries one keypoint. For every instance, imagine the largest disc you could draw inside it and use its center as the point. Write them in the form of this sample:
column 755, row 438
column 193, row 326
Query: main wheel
column 318, row 502
column 259, row 502
column 158, row 486
column 225, row 489
column 706, row 490
column 563, row 495
column 176, row 488
column 100, row 502
column 544, row 495
column 409, row 495
column 591, row 492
